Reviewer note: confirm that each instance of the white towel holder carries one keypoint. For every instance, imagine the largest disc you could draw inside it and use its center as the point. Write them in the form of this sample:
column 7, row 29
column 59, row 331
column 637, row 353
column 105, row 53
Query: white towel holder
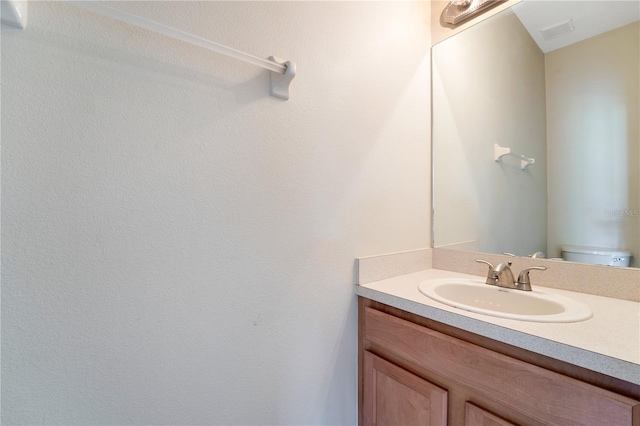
column 501, row 151
column 281, row 72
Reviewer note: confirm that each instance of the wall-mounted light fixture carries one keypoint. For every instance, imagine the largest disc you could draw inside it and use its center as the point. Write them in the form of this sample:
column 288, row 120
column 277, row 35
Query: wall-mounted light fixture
column 460, row 10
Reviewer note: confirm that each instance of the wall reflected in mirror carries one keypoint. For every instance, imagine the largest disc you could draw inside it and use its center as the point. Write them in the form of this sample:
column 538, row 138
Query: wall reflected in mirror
column 558, row 82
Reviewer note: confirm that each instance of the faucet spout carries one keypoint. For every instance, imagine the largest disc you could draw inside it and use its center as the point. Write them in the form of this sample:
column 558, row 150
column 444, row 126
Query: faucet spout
column 501, row 275
column 504, row 275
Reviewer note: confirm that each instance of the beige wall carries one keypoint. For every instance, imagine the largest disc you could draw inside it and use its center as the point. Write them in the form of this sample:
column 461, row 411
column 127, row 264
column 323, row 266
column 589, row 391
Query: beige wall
column 475, row 198
column 178, row 246
column 593, row 98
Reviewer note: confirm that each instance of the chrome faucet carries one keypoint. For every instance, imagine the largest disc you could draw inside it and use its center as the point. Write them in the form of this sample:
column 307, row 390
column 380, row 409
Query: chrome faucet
column 502, row 276
column 524, row 283
column 537, row 255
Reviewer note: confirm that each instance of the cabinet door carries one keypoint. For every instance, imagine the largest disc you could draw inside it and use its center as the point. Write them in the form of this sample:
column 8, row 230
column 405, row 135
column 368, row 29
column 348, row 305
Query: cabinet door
column 393, row 396
column 476, row 416
column 530, row 391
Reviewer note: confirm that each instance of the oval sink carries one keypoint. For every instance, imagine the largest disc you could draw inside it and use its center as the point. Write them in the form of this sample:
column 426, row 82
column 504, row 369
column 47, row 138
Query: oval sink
column 476, row 296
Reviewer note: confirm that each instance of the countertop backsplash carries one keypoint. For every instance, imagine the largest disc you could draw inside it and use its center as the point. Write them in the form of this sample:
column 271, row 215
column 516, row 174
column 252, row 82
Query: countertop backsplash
column 607, row 281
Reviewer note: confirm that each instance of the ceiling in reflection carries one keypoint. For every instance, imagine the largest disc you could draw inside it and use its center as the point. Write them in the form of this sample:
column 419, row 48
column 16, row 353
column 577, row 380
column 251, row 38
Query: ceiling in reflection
column 587, row 21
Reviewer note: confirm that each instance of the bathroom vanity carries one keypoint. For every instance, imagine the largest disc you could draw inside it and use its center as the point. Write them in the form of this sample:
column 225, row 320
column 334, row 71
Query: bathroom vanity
column 499, row 92
column 423, row 362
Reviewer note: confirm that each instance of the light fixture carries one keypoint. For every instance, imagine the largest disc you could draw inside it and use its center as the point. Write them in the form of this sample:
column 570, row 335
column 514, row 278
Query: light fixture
column 460, row 10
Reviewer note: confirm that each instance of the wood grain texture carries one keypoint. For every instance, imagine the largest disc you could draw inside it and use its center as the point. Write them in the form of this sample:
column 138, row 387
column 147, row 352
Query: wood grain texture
column 361, row 346
column 540, row 394
column 600, row 380
column 393, row 396
column 476, row 416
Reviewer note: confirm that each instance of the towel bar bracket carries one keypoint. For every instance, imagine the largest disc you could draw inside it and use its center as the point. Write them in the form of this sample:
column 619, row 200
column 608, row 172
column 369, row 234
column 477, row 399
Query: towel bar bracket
column 278, row 82
column 501, row 151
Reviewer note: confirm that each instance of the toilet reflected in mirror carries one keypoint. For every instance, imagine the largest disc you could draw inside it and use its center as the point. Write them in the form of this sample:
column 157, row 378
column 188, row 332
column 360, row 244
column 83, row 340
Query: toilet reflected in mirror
column 596, row 256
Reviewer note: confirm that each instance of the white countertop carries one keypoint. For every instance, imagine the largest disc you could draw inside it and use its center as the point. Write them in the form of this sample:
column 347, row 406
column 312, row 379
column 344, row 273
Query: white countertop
column 608, row 343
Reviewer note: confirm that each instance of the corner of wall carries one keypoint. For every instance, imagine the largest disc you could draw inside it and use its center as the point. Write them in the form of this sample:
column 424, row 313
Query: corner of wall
column 376, row 268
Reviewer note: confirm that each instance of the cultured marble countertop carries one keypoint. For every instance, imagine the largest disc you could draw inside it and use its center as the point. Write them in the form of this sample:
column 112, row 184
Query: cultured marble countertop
column 608, row 343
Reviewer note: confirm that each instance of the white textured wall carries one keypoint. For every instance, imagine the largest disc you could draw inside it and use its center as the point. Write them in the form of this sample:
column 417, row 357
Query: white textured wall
column 488, row 88
column 593, row 114
column 177, row 246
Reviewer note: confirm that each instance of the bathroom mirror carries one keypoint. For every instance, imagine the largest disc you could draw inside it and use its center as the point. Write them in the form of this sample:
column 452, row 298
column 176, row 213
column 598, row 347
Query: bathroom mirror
column 554, row 85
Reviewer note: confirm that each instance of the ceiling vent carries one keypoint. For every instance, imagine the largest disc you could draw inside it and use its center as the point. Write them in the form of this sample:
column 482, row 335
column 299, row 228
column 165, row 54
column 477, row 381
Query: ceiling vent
column 557, row 30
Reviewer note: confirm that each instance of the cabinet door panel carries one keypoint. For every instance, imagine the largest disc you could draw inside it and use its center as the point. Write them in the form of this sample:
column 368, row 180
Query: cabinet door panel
column 393, row 396
column 541, row 395
column 476, row 416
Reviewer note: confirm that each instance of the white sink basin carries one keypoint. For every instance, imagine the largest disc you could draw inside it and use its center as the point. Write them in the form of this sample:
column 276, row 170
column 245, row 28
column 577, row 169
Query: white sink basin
column 476, row 296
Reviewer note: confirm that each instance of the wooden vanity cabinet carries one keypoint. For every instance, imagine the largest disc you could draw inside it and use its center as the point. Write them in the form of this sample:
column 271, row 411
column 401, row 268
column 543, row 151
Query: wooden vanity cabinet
column 397, row 397
column 414, row 371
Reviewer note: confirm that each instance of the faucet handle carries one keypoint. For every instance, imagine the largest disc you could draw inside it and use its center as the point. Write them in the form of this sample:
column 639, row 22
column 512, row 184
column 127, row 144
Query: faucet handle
column 506, row 253
column 489, row 264
column 523, row 279
column 492, row 276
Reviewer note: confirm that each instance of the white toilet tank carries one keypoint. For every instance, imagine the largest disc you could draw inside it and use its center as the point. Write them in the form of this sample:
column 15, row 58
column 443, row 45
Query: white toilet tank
column 596, row 255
